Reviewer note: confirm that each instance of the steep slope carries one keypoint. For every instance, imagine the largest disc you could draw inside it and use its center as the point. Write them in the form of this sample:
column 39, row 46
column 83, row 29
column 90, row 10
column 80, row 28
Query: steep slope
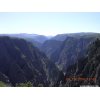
column 21, row 62
column 54, row 46
column 73, row 48
column 60, row 37
column 87, row 70
column 65, row 49
column 35, row 43
column 50, row 46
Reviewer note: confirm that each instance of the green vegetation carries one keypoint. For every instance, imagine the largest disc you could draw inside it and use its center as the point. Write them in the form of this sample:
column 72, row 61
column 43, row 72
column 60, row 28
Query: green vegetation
column 2, row 84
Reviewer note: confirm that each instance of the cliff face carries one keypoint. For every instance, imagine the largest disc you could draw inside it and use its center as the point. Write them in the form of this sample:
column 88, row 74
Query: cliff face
column 20, row 61
column 49, row 47
column 65, row 52
column 87, row 70
column 65, row 49
column 70, row 51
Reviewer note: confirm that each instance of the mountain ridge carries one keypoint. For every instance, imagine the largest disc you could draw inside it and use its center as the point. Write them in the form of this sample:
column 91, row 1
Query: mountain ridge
column 20, row 61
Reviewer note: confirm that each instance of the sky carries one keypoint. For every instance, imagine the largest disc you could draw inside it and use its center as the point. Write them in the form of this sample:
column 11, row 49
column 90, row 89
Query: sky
column 49, row 23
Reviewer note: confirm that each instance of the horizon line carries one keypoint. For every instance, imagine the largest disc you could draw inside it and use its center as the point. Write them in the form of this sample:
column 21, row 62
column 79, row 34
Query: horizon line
column 49, row 34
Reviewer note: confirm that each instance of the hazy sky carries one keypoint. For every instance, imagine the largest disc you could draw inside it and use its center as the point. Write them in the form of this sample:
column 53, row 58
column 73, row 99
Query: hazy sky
column 49, row 23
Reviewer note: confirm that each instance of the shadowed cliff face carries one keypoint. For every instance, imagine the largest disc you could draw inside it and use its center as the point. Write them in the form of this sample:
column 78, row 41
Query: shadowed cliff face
column 65, row 52
column 49, row 47
column 72, row 50
column 87, row 70
column 20, row 61
column 68, row 52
